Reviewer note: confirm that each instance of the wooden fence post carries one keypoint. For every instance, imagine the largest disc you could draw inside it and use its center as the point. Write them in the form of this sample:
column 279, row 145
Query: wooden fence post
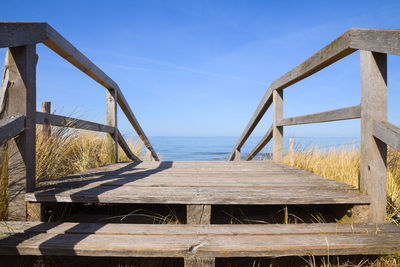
column 112, row 140
column 198, row 214
column 373, row 151
column 22, row 149
column 46, row 128
column 237, row 155
column 278, row 130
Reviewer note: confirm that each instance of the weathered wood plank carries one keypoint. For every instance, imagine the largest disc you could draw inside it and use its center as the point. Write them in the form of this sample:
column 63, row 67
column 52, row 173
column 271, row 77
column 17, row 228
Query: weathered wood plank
column 200, row 241
column 14, row 34
column 385, row 41
column 111, row 111
column 125, row 147
column 11, row 127
column 387, row 133
column 263, row 142
column 277, row 131
column 198, row 195
column 347, row 113
column 22, row 149
column 199, row 229
column 373, row 151
column 63, row 121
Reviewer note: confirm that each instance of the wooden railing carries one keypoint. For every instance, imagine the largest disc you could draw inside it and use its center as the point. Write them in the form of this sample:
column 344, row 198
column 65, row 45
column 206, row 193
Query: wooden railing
column 18, row 102
column 376, row 132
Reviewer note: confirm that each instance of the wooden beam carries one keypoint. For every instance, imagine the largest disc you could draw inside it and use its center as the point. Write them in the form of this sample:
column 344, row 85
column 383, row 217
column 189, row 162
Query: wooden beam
column 277, row 131
column 373, row 178
column 266, row 101
column 22, row 149
column 111, row 110
column 347, row 113
column 263, row 142
column 198, row 214
column 62, row 121
column 387, row 133
column 14, row 34
column 385, row 41
column 11, row 127
column 125, row 147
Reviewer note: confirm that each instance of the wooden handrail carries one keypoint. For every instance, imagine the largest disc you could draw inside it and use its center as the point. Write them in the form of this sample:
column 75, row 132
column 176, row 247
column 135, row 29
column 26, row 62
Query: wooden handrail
column 24, row 33
column 387, row 133
column 63, row 121
column 11, row 127
column 374, row 45
column 347, row 113
column 377, row 40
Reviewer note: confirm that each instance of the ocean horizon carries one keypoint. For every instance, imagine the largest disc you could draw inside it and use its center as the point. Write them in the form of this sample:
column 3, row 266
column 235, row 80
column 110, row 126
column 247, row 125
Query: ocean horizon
column 193, row 148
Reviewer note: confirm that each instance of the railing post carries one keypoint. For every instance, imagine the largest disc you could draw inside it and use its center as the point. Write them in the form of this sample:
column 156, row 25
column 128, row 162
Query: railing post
column 46, row 128
column 112, row 140
column 22, row 149
column 278, row 130
column 373, row 151
column 237, row 155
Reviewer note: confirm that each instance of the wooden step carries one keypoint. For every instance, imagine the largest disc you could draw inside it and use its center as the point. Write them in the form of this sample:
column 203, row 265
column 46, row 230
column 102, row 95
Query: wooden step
column 133, row 240
column 216, row 183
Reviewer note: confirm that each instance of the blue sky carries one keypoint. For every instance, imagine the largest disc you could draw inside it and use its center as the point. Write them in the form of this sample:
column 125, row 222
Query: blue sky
column 200, row 68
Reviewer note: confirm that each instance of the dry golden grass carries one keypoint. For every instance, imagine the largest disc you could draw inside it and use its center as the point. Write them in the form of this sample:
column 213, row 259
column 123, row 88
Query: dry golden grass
column 343, row 164
column 66, row 152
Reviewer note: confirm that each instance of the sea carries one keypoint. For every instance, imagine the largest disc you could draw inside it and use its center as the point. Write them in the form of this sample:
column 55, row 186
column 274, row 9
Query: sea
column 193, row 148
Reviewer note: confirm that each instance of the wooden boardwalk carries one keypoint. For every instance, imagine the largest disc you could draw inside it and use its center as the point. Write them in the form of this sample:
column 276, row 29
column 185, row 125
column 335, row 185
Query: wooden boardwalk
column 203, row 182
column 196, row 185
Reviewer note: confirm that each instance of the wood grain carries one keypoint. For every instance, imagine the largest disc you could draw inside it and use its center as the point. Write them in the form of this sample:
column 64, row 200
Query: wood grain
column 63, row 121
column 11, row 127
column 373, row 151
column 201, row 241
column 387, row 133
column 347, row 113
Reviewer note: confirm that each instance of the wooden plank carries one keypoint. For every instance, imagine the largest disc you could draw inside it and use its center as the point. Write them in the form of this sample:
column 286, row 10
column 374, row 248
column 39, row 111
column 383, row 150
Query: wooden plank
column 373, row 151
column 132, row 119
column 125, row 147
column 11, row 127
column 263, row 142
column 199, row 195
column 112, row 139
column 46, row 128
column 22, row 149
column 198, row 229
column 387, row 133
column 266, row 101
column 277, row 131
column 14, row 34
column 63, row 121
column 385, row 41
column 353, row 112
column 200, row 241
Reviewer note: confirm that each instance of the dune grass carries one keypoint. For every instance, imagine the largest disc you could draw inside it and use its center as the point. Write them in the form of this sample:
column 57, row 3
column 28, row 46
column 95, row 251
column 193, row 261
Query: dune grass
column 66, row 151
column 343, row 164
